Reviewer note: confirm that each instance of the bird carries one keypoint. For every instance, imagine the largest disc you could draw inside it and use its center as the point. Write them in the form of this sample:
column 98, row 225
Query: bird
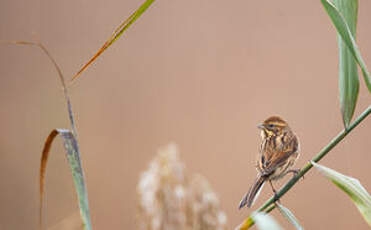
column 279, row 149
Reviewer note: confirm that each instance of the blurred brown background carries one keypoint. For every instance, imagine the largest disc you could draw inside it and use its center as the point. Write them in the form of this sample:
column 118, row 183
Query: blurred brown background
column 200, row 73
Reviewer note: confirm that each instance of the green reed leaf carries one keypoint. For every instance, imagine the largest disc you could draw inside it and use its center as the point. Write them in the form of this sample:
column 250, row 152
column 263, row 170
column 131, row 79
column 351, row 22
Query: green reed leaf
column 343, row 14
column 73, row 157
column 249, row 221
column 265, row 221
column 289, row 216
column 348, row 69
column 116, row 34
column 352, row 187
column 344, row 31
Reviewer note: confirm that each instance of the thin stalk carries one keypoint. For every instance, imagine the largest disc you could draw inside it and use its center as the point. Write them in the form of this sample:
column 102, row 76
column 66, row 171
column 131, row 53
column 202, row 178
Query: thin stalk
column 60, row 75
column 316, row 158
column 64, row 87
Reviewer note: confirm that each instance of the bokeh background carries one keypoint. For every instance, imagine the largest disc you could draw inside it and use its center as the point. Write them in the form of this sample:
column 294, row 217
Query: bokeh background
column 198, row 73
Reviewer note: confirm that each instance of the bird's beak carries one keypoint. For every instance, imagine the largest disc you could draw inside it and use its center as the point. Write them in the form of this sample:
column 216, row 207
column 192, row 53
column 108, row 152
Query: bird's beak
column 261, row 126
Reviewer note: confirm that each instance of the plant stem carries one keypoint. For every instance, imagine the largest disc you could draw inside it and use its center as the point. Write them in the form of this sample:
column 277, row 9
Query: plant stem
column 61, row 78
column 316, row 158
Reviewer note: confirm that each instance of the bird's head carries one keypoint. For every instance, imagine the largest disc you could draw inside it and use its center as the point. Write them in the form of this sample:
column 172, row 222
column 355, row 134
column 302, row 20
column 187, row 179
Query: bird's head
column 273, row 126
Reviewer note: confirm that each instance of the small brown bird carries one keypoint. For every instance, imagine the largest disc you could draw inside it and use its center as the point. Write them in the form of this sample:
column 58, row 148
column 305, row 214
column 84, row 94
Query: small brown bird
column 278, row 152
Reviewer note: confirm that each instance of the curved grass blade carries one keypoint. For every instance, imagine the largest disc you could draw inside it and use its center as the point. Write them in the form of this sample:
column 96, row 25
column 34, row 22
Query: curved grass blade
column 357, row 193
column 73, row 157
column 44, row 160
column 70, row 140
column 60, row 75
column 116, row 34
column 344, row 31
column 289, row 216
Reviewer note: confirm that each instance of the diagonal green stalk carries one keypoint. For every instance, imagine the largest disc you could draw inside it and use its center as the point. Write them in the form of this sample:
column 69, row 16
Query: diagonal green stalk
column 316, row 158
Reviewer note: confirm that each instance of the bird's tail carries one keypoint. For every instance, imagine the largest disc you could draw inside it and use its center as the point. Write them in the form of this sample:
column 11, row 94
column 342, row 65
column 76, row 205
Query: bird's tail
column 253, row 192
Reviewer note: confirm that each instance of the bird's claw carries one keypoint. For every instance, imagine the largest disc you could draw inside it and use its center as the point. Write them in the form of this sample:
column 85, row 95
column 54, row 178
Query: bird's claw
column 295, row 172
column 276, row 198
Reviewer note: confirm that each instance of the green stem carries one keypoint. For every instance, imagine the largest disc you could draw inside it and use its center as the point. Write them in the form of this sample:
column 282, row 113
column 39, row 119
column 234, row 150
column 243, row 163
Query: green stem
column 317, row 158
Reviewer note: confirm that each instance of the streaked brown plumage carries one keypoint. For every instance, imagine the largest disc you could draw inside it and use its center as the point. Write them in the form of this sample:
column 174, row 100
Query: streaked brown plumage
column 278, row 151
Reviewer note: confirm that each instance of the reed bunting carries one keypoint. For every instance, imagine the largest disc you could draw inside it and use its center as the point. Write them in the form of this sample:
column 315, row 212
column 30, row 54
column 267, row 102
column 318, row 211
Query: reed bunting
column 279, row 150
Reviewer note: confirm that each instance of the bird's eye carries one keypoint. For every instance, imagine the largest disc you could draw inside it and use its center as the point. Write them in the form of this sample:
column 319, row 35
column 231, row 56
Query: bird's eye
column 271, row 125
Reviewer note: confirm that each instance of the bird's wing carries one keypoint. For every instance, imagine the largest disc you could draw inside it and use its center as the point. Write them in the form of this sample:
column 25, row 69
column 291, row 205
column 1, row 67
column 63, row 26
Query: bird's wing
column 278, row 157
